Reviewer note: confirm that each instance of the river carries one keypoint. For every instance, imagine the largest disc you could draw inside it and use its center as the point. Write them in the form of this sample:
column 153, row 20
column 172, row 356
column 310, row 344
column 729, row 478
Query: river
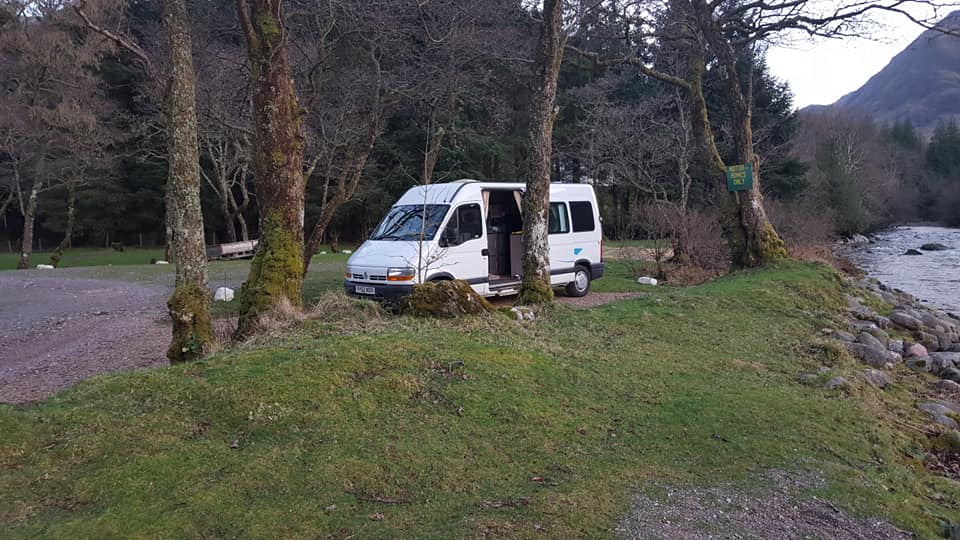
column 933, row 277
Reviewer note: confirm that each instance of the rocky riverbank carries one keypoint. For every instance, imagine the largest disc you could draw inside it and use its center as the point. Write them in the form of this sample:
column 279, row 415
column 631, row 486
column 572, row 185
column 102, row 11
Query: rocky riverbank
column 889, row 330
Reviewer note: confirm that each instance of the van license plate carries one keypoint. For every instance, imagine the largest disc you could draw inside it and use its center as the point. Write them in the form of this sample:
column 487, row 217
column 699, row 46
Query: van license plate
column 366, row 290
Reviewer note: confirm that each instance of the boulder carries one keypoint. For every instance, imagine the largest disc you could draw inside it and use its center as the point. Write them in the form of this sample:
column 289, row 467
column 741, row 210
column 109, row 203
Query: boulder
column 874, row 357
column 929, row 341
column 523, row 313
column 895, row 345
column 836, row 382
column 940, row 412
column 223, row 294
column 857, row 326
column 883, row 322
column 933, row 246
column 915, row 350
column 918, row 364
column 905, row 320
column 871, row 341
column 881, row 336
column 845, row 336
column 951, row 374
column 449, row 299
column 946, row 359
column 912, row 252
column 933, row 322
column 876, row 378
column 944, row 341
column 948, row 387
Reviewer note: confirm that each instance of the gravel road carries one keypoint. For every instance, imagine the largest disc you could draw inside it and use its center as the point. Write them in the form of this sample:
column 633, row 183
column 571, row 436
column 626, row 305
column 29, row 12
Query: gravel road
column 56, row 331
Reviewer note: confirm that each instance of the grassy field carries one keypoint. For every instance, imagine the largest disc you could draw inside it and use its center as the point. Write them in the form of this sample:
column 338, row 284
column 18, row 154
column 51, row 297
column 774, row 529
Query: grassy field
column 373, row 426
column 86, row 257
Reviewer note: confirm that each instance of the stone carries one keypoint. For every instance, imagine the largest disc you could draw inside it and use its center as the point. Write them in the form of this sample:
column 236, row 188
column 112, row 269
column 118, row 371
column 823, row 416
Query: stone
column 933, row 246
column 881, row 336
column 223, row 294
column 918, row 364
column 895, row 345
column 883, row 322
column 933, row 322
column 523, row 313
column 856, row 325
column 940, row 411
column 647, row 281
column 944, row 341
column 946, row 359
column 44, row 267
column 912, row 252
column 915, row 349
column 929, row 341
column 836, row 382
column 876, row 378
column 347, row 251
column 878, row 358
column 948, row 386
column 871, row 341
column 905, row 320
column 951, row 374
column 161, row 262
column 845, row 336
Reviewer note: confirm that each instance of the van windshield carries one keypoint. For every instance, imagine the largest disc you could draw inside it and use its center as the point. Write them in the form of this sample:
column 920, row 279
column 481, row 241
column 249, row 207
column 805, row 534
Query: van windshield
column 407, row 222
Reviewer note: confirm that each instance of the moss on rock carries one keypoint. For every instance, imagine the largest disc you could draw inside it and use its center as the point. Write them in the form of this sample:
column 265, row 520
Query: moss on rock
column 189, row 309
column 444, row 299
column 276, row 273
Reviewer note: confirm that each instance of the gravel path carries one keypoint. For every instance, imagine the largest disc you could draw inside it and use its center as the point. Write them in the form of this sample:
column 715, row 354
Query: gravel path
column 780, row 511
column 56, row 331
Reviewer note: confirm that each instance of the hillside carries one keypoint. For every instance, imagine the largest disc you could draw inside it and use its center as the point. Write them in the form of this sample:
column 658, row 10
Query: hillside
column 921, row 84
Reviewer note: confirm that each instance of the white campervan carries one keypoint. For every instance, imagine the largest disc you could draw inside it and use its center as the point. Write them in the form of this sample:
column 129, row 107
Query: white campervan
column 472, row 231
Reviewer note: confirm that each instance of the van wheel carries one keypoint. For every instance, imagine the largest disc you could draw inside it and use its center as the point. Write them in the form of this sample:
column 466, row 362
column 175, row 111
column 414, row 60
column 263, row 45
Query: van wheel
column 580, row 285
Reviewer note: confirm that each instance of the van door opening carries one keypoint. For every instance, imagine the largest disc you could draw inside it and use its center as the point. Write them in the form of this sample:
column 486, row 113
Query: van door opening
column 504, row 229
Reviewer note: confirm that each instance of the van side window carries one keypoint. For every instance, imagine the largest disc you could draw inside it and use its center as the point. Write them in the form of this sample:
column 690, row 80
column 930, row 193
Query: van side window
column 559, row 222
column 465, row 224
column 582, row 214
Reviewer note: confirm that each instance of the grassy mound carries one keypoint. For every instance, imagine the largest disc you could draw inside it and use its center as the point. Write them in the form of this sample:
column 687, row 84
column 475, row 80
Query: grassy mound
column 410, row 427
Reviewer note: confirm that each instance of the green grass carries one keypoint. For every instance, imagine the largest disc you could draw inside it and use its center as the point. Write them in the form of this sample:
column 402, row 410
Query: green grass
column 86, row 257
column 334, row 417
column 632, row 243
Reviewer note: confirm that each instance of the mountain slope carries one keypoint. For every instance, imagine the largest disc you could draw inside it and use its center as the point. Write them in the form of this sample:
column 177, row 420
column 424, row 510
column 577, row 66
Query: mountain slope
column 921, row 84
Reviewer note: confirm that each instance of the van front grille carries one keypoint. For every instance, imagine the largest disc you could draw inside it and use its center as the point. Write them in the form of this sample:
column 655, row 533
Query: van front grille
column 370, row 277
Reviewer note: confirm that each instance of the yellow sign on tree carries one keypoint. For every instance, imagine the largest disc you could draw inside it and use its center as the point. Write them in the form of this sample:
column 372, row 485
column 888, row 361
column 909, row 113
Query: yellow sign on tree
column 740, row 177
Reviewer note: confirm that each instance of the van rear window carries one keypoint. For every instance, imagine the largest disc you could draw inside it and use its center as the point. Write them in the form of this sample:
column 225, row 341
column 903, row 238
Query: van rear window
column 558, row 223
column 582, row 216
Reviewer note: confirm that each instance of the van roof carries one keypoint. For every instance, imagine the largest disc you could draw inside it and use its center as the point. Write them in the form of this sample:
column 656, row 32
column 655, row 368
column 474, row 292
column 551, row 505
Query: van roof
column 446, row 192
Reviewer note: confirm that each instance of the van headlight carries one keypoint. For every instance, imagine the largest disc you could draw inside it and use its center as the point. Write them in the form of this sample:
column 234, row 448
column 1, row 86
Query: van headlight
column 401, row 274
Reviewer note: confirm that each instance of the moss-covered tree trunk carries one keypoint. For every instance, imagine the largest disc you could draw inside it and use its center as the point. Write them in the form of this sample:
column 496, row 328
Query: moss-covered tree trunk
column 752, row 238
column 535, row 287
column 189, row 307
column 276, row 273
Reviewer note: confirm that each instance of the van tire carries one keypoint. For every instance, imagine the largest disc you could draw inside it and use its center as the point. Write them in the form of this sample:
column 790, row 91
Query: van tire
column 580, row 285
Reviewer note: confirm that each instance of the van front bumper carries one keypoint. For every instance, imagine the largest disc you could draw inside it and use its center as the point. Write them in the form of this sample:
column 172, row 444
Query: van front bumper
column 381, row 291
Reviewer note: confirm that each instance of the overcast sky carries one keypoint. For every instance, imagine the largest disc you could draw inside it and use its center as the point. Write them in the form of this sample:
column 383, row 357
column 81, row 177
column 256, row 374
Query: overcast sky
column 821, row 72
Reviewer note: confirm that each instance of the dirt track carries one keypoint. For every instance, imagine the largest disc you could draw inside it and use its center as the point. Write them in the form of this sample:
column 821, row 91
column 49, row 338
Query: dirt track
column 56, row 331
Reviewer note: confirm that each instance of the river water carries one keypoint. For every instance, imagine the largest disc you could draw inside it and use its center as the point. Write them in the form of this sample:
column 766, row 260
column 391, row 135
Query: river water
column 933, row 277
